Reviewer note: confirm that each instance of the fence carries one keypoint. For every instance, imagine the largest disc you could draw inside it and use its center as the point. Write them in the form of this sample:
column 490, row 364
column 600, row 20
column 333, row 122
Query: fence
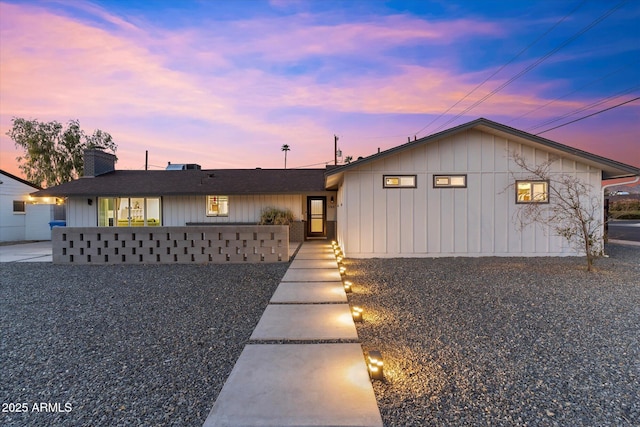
column 165, row 245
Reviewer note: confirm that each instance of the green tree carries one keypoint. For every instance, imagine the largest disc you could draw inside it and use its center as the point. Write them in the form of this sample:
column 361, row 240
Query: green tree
column 54, row 154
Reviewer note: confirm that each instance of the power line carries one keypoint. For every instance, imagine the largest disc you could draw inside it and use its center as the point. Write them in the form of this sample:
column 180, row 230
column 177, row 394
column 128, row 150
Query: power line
column 504, row 66
column 572, row 92
column 536, row 63
column 590, row 115
column 586, row 107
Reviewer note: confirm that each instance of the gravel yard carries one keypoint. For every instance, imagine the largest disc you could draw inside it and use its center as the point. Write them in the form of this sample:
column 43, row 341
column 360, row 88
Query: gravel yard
column 466, row 341
column 123, row 345
column 504, row 341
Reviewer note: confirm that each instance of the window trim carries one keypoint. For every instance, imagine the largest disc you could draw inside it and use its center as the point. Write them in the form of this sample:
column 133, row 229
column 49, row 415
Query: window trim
column 449, row 176
column 212, row 215
column 24, row 207
column 385, row 177
column 526, row 202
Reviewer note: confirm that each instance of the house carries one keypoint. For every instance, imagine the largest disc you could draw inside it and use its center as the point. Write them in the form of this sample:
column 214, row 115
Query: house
column 457, row 193
column 454, row 193
column 191, row 196
column 23, row 217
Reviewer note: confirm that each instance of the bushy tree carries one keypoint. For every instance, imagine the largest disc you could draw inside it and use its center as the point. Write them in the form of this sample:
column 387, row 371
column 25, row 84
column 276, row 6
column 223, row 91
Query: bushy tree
column 54, row 154
column 572, row 211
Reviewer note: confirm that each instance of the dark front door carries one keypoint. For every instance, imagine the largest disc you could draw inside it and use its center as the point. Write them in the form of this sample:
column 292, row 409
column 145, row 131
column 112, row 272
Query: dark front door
column 316, row 216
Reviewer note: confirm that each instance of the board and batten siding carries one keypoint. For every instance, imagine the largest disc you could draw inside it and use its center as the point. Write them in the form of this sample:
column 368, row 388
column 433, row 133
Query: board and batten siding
column 478, row 220
column 180, row 210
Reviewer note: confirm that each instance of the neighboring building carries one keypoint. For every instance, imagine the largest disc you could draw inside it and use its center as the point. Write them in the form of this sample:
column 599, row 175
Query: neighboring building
column 192, row 196
column 23, row 217
column 456, row 193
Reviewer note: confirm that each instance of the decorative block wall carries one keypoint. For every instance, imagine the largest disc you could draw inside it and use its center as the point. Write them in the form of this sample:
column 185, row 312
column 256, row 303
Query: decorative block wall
column 166, row 245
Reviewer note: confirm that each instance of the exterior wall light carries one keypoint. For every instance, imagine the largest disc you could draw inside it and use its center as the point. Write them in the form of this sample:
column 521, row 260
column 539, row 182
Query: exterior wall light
column 347, row 286
column 375, row 364
column 356, row 312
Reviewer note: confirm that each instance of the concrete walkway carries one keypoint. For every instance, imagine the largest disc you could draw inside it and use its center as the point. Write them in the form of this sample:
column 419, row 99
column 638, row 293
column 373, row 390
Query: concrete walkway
column 304, row 365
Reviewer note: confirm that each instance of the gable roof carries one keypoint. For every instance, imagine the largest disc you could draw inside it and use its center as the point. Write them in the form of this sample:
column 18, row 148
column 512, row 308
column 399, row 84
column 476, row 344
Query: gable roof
column 191, row 182
column 23, row 181
column 611, row 169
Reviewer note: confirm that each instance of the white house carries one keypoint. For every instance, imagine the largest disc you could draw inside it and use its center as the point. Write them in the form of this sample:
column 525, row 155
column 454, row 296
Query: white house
column 456, row 193
column 23, row 217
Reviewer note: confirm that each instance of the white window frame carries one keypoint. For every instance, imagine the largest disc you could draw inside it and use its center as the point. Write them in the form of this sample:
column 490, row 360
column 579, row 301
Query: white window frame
column 222, row 201
column 24, row 207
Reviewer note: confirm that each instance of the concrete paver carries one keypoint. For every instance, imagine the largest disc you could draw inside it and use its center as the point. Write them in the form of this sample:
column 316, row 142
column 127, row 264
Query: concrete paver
column 305, row 322
column 297, row 385
column 309, row 293
column 314, row 263
column 308, row 383
column 311, row 275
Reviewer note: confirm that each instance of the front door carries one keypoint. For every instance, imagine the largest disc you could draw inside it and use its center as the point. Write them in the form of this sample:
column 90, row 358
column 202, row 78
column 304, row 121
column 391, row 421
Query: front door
column 316, row 216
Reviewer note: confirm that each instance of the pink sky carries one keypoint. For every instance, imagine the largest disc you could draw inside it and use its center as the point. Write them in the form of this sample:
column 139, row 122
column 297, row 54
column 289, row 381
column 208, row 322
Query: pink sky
column 226, row 88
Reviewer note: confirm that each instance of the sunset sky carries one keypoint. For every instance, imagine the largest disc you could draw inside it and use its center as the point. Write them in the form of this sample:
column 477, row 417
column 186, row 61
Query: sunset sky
column 226, row 83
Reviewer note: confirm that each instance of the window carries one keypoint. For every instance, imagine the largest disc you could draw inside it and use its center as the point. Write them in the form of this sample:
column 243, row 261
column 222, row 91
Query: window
column 399, row 181
column 129, row 211
column 217, row 206
column 19, row 206
column 532, row 192
column 449, row 181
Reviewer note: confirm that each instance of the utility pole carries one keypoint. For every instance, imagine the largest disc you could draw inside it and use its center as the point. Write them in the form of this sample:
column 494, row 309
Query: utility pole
column 335, row 149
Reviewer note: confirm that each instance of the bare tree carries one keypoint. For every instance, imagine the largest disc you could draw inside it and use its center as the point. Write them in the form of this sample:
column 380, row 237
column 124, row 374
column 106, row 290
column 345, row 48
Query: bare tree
column 572, row 211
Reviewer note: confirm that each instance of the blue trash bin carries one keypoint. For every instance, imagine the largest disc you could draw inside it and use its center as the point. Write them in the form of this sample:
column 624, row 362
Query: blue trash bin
column 57, row 223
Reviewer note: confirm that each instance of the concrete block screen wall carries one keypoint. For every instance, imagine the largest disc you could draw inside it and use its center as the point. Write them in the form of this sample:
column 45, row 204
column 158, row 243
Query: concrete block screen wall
column 166, row 245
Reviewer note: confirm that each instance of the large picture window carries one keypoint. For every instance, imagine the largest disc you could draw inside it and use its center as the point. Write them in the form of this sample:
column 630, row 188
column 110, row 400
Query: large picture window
column 217, row 206
column 532, row 192
column 129, row 211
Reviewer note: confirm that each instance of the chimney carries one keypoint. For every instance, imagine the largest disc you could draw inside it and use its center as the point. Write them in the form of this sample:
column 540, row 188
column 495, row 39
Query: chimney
column 97, row 162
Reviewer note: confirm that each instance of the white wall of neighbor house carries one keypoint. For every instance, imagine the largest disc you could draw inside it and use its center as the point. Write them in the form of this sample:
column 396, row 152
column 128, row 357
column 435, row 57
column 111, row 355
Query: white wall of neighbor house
column 33, row 223
column 478, row 220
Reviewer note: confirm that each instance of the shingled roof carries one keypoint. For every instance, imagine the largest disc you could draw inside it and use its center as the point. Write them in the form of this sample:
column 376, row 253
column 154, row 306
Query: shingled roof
column 191, row 182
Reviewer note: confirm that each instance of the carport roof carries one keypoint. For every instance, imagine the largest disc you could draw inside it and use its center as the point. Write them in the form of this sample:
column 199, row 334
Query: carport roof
column 191, row 182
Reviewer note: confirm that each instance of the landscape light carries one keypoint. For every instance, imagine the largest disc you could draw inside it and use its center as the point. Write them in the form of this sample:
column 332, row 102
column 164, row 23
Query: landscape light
column 374, row 364
column 356, row 312
column 343, row 270
column 347, row 286
column 339, row 258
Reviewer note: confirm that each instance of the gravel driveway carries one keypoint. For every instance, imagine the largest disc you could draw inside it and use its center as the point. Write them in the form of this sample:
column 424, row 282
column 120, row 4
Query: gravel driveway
column 504, row 341
column 123, row 345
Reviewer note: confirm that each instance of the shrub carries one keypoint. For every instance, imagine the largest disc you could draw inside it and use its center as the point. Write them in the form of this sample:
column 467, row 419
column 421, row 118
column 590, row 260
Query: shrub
column 625, row 209
column 276, row 216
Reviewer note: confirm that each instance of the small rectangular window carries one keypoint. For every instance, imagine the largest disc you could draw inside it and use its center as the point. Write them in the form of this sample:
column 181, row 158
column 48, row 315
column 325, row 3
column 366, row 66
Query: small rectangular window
column 449, row 181
column 217, row 206
column 399, row 181
column 532, row 192
column 19, row 206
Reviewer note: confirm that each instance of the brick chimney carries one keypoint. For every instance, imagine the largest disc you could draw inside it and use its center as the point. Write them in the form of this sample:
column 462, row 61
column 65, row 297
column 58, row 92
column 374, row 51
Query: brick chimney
column 97, row 162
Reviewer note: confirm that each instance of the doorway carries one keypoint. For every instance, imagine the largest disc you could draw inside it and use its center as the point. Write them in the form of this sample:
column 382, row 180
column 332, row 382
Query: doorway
column 316, row 216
